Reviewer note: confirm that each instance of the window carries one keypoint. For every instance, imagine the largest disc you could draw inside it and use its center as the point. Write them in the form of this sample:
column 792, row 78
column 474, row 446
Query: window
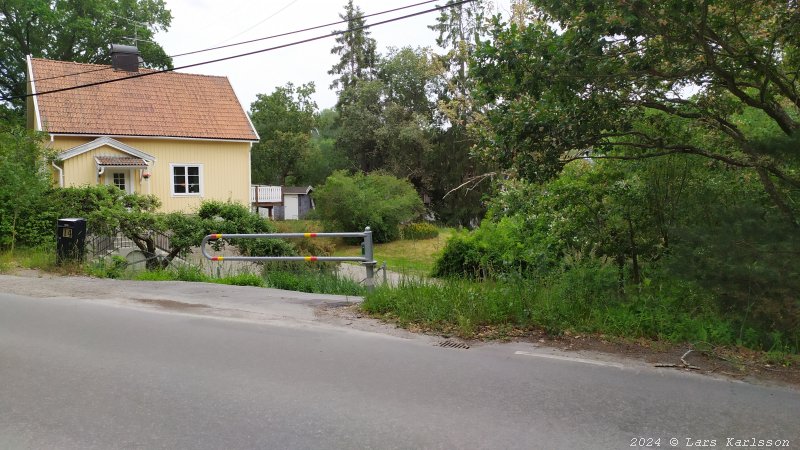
column 119, row 180
column 186, row 179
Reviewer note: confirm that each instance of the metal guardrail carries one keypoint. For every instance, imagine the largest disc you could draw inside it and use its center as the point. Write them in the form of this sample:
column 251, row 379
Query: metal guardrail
column 367, row 260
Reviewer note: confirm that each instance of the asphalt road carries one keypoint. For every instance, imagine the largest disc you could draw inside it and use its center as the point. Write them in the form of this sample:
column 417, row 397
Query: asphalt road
column 116, row 371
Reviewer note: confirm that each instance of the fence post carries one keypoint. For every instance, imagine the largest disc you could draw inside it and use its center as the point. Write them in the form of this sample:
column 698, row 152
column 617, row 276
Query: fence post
column 369, row 262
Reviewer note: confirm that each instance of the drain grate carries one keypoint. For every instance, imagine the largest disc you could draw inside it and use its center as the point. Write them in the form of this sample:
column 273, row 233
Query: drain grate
column 451, row 344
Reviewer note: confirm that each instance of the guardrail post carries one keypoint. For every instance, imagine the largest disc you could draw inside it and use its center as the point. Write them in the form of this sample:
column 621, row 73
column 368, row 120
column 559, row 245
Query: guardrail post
column 369, row 260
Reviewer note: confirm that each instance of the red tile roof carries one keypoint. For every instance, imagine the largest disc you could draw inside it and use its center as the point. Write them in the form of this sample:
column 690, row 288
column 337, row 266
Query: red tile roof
column 120, row 161
column 170, row 104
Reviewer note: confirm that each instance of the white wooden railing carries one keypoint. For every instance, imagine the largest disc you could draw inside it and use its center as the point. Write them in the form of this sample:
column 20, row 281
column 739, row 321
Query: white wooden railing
column 265, row 194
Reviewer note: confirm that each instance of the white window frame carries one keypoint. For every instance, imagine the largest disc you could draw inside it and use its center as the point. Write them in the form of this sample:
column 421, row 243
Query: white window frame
column 128, row 178
column 172, row 167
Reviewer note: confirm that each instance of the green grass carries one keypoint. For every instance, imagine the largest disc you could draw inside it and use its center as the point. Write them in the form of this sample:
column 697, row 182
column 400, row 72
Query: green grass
column 42, row 258
column 413, row 257
column 575, row 302
column 195, row 274
column 310, row 280
column 302, row 280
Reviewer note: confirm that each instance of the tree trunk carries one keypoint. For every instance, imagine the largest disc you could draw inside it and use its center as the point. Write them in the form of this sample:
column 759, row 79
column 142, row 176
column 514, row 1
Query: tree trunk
column 637, row 278
column 14, row 231
column 776, row 197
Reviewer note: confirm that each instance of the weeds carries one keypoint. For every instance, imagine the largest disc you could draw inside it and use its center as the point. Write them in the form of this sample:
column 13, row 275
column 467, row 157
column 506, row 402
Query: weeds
column 113, row 267
column 242, row 279
column 42, row 258
column 582, row 301
column 310, row 280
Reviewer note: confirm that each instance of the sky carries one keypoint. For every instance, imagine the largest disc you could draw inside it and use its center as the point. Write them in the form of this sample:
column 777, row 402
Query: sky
column 200, row 24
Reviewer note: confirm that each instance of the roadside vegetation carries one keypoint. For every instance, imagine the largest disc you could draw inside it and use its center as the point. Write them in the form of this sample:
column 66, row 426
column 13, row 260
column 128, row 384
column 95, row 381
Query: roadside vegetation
column 629, row 172
column 320, row 279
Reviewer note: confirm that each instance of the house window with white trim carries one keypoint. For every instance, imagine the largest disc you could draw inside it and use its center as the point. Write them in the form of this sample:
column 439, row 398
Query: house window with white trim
column 187, row 179
column 119, row 180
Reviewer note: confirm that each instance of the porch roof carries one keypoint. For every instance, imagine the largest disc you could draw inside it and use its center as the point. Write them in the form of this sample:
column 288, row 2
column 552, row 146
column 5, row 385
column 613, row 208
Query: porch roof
column 120, row 161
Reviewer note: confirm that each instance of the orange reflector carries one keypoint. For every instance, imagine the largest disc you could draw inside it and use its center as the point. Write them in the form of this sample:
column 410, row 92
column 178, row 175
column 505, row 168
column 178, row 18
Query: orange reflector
column 217, row 258
column 311, row 258
column 215, row 236
column 310, row 234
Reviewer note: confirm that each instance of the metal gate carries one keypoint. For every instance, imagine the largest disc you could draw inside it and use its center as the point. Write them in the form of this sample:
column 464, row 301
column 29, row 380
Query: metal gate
column 367, row 259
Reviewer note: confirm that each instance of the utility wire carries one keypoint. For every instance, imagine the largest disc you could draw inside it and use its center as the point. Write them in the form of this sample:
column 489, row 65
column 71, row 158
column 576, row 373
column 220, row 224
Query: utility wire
column 290, row 44
column 259, row 23
column 305, row 29
column 288, row 33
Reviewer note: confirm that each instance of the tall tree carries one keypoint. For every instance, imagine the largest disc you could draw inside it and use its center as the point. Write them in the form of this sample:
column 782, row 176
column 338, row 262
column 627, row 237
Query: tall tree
column 360, row 116
column 356, row 50
column 284, row 121
column 460, row 29
column 456, row 198
column 634, row 79
column 74, row 30
column 408, row 127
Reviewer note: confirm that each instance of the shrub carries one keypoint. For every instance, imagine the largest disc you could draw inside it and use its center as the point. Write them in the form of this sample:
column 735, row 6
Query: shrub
column 418, row 231
column 381, row 202
column 24, row 182
column 462, row 257
column 496, row 248
column 233, row 218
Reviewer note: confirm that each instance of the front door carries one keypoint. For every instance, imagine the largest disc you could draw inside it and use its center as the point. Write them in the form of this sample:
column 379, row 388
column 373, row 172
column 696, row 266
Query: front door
column 121, row 179
column 291, row 205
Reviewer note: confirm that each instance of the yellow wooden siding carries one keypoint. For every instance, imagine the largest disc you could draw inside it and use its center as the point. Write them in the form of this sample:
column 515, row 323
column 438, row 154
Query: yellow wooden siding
column 81, row 170
column 225, row 169
column 62, row 143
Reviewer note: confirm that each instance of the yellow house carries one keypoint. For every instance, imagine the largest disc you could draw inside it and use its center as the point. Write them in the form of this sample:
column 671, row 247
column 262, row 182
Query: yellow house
column 181, row 137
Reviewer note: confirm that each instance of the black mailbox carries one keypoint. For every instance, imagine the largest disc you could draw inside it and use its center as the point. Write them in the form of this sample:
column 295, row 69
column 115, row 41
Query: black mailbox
column 70, row 240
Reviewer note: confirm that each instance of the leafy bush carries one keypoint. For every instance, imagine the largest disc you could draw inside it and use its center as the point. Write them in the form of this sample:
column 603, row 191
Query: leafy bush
column 381, row 202
column 418, row 231
column 24, row 182
column 462, row 257
column 233, row 218
column 503, row 247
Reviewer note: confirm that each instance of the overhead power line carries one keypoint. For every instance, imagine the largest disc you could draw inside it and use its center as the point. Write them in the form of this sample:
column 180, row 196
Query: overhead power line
column 262, row 21
column 317, row 27
column 241, row 55
column 288, row 33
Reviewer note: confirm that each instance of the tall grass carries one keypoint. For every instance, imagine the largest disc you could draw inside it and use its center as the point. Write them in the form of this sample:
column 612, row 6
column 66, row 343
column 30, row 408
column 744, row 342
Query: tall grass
column 311, row 280
column 294, row 278
column 42, row 258
column 584, row 300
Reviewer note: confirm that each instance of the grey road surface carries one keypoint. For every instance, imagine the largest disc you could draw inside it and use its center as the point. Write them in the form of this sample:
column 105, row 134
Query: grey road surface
column 106, row 369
